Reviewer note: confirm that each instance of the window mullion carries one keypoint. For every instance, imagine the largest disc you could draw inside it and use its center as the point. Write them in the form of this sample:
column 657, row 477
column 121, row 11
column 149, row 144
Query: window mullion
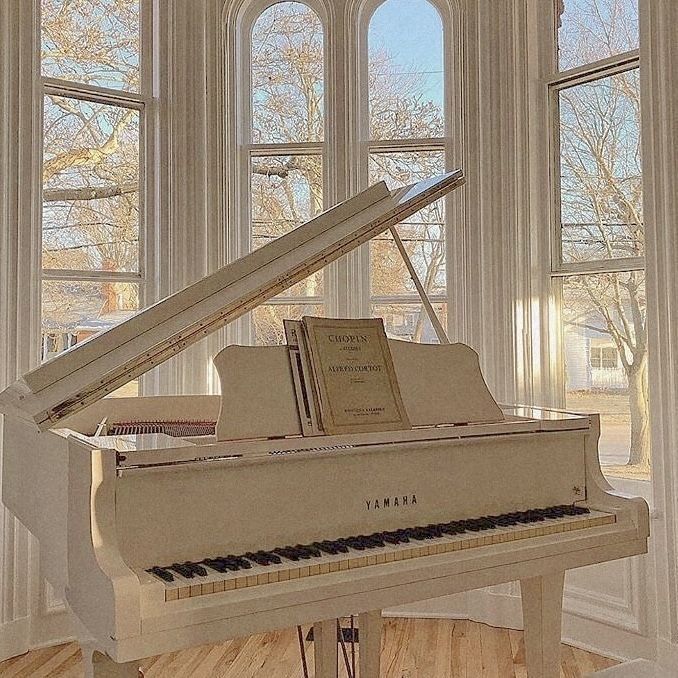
column 599, row 266
column 395, row 145
column 103, row 276
column 587, row 72
column 100, row 95
column 296, row 148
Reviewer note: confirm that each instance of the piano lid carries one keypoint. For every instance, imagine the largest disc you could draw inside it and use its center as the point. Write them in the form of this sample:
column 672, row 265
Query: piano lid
column 87, row 372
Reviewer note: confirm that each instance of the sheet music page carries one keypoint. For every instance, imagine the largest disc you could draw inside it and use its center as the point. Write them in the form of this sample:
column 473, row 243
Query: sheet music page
column 352, row 366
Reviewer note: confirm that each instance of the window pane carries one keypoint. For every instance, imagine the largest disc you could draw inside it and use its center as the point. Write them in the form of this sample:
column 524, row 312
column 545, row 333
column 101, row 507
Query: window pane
column 595, row 29
column 268, row 320
column 286, row 191
column 92, row 41
column 600, row 167
column 605, row 348
column 410, row 322
column 287, row 75
column 406, row 71
column 90, row 217
column 423, row 234
column 74, row 310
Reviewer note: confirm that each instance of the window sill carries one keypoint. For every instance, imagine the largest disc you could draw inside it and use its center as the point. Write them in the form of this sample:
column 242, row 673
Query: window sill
column 627, row 471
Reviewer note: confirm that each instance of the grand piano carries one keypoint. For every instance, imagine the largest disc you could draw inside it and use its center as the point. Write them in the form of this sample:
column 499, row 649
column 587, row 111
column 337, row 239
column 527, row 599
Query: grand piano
column 172, row 521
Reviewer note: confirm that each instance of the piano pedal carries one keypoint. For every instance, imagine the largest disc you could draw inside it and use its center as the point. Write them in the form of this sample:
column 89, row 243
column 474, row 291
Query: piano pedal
column 348, row 634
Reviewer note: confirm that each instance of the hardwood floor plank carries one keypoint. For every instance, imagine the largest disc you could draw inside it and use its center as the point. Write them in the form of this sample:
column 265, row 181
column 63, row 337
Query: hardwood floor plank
column 488, row 651
column 459, row 650
column 505, row 666
column 411, row 648
column 474, row 659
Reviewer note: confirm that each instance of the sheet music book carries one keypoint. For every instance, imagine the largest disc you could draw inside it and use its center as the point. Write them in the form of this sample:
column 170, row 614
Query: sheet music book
column 348, row 372
column 304, row 386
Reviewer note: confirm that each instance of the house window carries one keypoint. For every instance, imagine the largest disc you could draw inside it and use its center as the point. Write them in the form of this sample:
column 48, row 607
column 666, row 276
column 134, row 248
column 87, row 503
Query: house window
column 319, row 128
column 603, row 357
column 95, row 96
column 598, row 265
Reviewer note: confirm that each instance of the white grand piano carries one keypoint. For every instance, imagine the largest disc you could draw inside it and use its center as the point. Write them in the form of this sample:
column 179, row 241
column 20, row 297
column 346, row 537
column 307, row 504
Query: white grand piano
column 172, row 521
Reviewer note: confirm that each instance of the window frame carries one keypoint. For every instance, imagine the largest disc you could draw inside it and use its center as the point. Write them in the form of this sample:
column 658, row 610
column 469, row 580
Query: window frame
column 558, row 271
column 247, row 150
column 140, row 101
column 367, row 146
column 586, row 74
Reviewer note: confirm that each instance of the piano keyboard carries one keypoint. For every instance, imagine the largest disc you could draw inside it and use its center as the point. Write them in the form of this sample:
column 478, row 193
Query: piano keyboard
column 230, row 572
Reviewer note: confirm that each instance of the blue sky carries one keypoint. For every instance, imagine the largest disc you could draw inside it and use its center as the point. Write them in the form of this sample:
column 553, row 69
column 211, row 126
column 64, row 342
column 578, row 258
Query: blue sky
column 411, row 30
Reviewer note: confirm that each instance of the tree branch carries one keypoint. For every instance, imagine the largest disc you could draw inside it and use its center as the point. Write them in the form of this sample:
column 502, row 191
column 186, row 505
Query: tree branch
column 88, row 192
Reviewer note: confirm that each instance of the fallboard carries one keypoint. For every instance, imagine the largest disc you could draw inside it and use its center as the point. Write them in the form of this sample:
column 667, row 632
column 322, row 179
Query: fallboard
column 191, row 512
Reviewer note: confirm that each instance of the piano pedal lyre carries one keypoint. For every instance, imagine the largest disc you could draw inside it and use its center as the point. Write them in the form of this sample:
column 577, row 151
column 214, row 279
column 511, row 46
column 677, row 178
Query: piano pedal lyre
column 329, row 635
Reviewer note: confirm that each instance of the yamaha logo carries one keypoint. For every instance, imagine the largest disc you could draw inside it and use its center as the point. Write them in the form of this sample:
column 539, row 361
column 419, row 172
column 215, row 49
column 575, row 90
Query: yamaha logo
column 391, row 502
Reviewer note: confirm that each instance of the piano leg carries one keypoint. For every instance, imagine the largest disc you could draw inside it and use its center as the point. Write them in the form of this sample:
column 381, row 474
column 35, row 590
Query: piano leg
column 325, row 649
column 369, row 625
column 99, row 665
column 542, row 618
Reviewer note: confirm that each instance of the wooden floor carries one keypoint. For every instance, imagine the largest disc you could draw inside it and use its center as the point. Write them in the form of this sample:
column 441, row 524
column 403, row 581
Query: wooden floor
column 420, row 648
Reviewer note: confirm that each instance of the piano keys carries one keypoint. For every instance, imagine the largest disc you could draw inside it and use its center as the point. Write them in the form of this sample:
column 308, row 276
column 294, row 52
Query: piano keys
column 227, row 572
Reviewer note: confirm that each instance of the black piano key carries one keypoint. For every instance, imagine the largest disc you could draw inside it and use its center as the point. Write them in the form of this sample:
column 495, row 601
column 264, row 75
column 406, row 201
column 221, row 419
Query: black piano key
column 161, row 572
column 218, row 565
column 234, row 564
column 373, row 541
column 435, row 529
column 272, row 557
column 288, row 552
column 183, row 570
column 452, row 528
column 256, row 558
column 309, row 550
column 341, row 548
column 331, row 547
column 354, row 543
column 390, row 537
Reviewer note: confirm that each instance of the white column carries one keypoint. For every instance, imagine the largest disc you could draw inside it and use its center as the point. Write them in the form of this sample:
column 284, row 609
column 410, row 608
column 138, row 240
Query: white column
column 659, row 103
column 191, row 228
column 19, row 266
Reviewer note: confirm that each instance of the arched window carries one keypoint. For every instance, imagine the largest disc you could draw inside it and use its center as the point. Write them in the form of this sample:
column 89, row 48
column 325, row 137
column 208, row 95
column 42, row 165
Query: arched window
column 285, row 150
column 328, row 104
column 406, row 131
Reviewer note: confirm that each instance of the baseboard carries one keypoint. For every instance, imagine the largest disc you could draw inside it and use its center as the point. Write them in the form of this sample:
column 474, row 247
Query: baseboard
column 445, row 607
column 616, row 643
column 14, row 638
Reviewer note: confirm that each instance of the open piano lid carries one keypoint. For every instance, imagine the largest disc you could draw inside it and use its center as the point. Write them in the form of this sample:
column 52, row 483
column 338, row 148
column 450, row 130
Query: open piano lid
column 87, row 372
